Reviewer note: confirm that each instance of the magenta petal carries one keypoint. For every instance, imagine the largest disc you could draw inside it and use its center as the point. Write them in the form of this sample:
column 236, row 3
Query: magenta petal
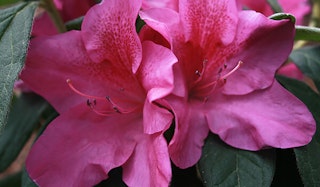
column 264, row 118
column 113, row 38
column 291, row 70
column 156, row 75
column 209, row 23
column 172, row 4
column 164, row 21
column 262, row 45
column 149, row 164
column 156, row 70
column 53, row 60
column 190, row 132
column 80, row 147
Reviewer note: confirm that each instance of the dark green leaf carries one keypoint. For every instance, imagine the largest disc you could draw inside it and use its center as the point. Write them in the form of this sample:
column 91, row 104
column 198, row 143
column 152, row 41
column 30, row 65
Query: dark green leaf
column 26, row 180
column 74, row 24
column 15, row 26
column 287, row 173
column 275, row 6
column 222, row 165
column 23, row 119
column 308, row 156
column 13, row 180
column 308, row 61
column 8, row 2
column 307, row 33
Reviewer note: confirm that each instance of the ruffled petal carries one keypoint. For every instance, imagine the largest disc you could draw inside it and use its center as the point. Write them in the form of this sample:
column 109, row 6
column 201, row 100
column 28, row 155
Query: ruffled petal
column 156, row 76
column 164, row 21
column 262, row 45
column 172, row 4
column 53, row 60
column 290, row 70
column 264, row 118
column 299, row 8
column 191, row 129
column 150, row 163
column 209, row 23
column 79, row 148
column 113, row 38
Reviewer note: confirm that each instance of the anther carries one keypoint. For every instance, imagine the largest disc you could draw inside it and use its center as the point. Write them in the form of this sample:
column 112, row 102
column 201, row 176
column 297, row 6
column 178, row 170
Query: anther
column 198, row 73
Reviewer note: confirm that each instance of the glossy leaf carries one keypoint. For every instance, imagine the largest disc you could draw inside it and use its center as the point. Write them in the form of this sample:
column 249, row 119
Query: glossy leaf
column 222, row 165
column 23, row 119
column 13, row 180
column 7, row 2
column 15, row 26
column 26, row 181
column 308, row 61
column 307, row 157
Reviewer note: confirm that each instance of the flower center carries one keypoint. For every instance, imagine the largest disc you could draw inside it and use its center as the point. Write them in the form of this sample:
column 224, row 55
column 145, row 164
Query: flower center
column 204, row 86
column 108, row 108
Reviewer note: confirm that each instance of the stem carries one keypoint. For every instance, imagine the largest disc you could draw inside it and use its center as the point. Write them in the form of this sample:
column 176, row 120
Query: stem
column 49, row 6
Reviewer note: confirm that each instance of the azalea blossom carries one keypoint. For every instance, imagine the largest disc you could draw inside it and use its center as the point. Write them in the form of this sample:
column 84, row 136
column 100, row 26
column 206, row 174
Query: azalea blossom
column 299, row 8
column 173, row 4
column 291, row 70
column 68, row 9
column 224, row 78
column 107, row 87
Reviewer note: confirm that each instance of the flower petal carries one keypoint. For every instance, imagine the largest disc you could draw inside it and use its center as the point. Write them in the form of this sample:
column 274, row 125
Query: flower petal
column 109, row 33
column 264, row 118
column 262, row 45
column 80, row 147
column 173, row 4
column 155, row 72
column 164, row 21
column 149, row 164
column 191, row 129
column 156, row 75
column 209, row 23
column 53, row 60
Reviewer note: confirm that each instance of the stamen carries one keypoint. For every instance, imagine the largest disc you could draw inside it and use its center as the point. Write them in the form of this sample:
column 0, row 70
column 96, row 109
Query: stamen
column 92, row 102
column 221, row 80
column 82, row 94
column 232, row 71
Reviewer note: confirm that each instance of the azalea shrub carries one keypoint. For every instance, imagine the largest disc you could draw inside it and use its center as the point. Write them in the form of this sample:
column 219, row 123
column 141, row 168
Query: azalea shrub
column 148, row 93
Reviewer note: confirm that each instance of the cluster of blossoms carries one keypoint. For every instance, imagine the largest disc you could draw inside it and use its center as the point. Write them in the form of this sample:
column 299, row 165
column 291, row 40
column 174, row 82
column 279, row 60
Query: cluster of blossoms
column 198, row 67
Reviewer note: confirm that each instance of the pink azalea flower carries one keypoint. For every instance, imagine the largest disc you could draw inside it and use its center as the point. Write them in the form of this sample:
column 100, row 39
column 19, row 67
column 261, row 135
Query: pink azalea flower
column 69, row 9
column 110, row 114
column 299, row 8
column 291, row 70
column 173, row 4
column 224, row 80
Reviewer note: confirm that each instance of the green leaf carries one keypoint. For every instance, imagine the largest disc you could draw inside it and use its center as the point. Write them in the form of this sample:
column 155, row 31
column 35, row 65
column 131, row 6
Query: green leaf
column 222, row 165
column 281, row 16
column 307, row 33
column 308, row 61
column 307, row 157
column 74, row 24
column 275, row 6
column 13, row 180
column 8, row 2
column 23, row 119
column 26, row 181
column 15, row 26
